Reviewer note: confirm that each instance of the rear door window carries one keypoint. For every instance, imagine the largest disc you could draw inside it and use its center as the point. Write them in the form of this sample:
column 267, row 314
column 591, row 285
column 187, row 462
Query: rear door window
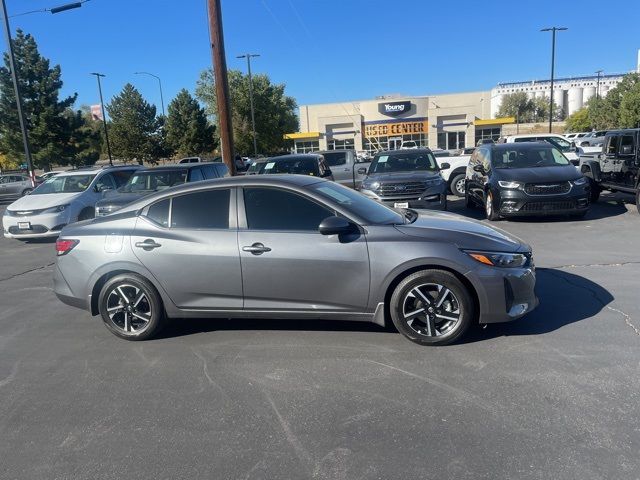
column 196, row 175
column 201, row 210
column 209, row 172
column 159, row 212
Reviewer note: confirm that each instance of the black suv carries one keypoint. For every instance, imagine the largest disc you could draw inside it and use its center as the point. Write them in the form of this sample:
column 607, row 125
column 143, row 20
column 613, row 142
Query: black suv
column 149, row 180
column 617, row 167
column 520, row 179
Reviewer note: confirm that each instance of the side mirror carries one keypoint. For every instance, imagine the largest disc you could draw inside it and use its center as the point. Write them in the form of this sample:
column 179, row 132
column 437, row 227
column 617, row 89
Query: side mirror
column 445, row 166
column 335, row 226
column 479, row 169
column 362, row 171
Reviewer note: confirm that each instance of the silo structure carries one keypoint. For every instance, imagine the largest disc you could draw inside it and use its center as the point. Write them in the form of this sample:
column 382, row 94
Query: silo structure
column 574, row 100
column 531, row 95
column 587, row 93
column 558, row 99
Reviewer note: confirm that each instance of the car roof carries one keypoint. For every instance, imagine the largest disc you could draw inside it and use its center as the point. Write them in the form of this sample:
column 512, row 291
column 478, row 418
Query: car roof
column 404, row 152
column 337, row 150
column 95, row 170
column 516, row 145
column 177, row 166
column 533, row 135
column 302, row 156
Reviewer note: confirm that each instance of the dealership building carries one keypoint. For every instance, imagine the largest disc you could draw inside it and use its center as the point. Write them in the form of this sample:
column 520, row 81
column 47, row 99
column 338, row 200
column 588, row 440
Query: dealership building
column 448, row 121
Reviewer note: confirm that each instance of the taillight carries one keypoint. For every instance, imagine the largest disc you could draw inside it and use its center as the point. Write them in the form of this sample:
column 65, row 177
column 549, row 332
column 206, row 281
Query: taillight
column 64, row 246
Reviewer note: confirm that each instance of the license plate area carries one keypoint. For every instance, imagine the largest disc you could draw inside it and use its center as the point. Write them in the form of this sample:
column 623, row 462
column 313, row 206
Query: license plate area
column 24, row 225
column 401, row 205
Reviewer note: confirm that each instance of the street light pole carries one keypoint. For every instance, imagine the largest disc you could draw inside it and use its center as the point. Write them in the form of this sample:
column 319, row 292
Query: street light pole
column 159, row 83
column 16, row 88
column 248, row 56
column 104, row 117
column 598, row 72
column 553, row 31
column 14, row 78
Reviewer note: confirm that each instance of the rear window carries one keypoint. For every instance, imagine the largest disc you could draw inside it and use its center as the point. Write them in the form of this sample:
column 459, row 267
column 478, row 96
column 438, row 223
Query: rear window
column 335, row 158
column 298, row 166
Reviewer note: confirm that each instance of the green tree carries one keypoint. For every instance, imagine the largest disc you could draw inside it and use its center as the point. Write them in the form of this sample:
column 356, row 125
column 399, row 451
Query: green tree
column 528, row 110
column 579, row 121
column 606, row 112
column 188, row 131
column 275, row 112
column 134, row 131
column 630, row 107
column 51, row 128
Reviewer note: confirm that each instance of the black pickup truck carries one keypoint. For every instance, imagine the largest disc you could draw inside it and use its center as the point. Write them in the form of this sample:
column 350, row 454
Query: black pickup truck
column 617, row 166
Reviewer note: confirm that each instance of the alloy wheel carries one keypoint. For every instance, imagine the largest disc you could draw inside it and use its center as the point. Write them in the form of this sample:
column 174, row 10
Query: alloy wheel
column 431, row 310
column 488, row 205
column 129, row 309
column 459, row 187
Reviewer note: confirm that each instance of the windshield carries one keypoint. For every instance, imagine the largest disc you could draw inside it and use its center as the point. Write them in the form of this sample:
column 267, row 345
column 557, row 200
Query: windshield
column 154, row 181
column 257, row 167
column 403, row 162
column 562, row 144
column 372, row 212
column 300, row 166
column 542, row 156
column 64, row 184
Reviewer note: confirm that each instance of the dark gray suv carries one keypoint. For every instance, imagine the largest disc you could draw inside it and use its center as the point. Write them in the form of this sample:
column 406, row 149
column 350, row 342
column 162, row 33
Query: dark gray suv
column 291, row 246
column 406, row 179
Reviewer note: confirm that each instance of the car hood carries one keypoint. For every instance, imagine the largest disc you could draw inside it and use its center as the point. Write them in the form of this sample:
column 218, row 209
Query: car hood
column 38, row 202
column 412, row 176
column 115, row 198
column 463, row 232
column 539, row 174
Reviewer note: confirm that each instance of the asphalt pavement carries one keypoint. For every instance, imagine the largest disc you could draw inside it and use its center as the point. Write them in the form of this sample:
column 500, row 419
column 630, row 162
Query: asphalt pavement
column 554, row 395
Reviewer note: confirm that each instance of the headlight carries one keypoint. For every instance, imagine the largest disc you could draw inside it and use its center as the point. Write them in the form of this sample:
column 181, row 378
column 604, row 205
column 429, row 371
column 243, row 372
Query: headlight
column 58, row 209
column 499, row 259
column 371, row 186
column 580, row 181
column 508, row 184
column 433, row 181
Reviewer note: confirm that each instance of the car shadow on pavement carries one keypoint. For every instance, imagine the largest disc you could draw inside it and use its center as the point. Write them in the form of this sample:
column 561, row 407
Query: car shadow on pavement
column 565, row 298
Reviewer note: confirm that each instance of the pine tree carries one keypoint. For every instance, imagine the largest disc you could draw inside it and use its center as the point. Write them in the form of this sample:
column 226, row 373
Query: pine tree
column 134, row 131
column 187, row 130
column 49, row 124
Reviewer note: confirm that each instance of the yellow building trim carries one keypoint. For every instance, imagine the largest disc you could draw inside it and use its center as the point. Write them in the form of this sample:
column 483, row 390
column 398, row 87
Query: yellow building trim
column 298, row 135
column 495, row 121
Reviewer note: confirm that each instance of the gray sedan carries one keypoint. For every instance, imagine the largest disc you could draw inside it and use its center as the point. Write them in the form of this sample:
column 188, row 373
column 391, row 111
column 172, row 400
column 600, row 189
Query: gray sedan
column 290, row 246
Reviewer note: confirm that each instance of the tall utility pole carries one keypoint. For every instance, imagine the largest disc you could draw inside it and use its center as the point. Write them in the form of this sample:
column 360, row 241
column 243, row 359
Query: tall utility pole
column 222, row 83
column 598, row 72
column 159, row 83
column 104, row 117
column 553, row 31
column 16, row 88
column 249, row 56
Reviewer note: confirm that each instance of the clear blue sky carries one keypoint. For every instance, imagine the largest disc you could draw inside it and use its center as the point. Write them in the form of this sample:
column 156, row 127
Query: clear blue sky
column 333, row 50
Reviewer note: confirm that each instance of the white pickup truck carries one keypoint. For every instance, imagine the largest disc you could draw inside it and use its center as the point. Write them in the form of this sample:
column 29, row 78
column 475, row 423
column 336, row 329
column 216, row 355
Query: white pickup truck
column 455, row 175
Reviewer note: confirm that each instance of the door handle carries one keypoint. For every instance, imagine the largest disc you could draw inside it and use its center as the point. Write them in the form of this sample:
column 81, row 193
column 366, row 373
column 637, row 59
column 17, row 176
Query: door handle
column 147, row 245
column 256, row 249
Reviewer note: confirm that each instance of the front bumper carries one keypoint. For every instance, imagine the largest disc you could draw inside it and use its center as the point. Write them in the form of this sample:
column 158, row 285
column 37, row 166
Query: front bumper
column 516, row 203
column 40, row 226
column 504, row 294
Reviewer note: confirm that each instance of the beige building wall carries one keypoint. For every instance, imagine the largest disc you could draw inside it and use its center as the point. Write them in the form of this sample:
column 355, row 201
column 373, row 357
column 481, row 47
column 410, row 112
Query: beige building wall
column 457, row 112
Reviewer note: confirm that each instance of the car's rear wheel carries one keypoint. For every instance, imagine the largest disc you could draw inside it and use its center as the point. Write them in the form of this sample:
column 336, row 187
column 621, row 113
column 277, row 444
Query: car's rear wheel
column 432, row 307
column 130, row 307
column 457, row 185
column 489, row 207
column 595, row 191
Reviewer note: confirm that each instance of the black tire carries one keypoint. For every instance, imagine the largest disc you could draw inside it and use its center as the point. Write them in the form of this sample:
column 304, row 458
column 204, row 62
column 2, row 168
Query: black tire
column 458, row 299
column 86, row 214
column 457, row 186
column 468, row 201
column 595, row 192
column 490, row 207
column 124, row 323
column 638, row 198
column 27, row 191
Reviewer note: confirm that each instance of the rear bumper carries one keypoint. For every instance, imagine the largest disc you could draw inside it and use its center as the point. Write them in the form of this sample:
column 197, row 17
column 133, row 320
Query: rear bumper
column 64, row 293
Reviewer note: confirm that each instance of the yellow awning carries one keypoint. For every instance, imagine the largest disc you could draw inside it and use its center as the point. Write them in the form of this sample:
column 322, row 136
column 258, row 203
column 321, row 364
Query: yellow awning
column 298, row 135
column 495, row 121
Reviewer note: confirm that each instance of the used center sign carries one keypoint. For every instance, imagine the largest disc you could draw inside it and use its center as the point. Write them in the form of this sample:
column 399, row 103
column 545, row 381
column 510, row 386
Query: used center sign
column 394, row 109
column 402, row 128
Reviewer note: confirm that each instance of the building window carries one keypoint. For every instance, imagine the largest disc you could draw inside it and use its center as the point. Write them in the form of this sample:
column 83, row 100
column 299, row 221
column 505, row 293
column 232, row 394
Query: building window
column 492, row 133
column 348, row 144
column 307, row 146
column 382, row 143
column 451, row 140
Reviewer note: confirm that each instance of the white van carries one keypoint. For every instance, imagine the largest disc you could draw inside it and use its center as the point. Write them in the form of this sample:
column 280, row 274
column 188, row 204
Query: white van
column 558, row 141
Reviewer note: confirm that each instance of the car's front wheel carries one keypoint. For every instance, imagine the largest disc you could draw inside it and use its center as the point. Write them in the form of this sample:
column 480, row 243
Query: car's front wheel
column 432, row 307
column 489, row 207
column 130, row 307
